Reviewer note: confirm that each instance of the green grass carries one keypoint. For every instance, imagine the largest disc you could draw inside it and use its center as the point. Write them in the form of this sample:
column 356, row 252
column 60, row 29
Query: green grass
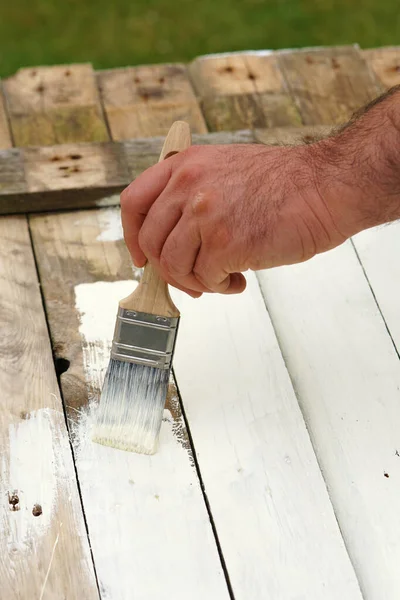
column 112, row 33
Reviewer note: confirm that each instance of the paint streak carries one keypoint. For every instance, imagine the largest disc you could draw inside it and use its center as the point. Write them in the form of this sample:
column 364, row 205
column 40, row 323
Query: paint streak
column 108, row 201
column 29, row 474
column 110, row 224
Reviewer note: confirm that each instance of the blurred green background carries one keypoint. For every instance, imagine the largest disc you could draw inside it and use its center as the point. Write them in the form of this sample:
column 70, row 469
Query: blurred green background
column 126, row 32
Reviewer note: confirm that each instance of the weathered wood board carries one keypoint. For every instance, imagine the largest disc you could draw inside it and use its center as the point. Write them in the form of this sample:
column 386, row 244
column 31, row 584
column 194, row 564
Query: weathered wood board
column 53, row 105
column 44, row 550
column 385, row 63
column 243, row 90
column 139, row 100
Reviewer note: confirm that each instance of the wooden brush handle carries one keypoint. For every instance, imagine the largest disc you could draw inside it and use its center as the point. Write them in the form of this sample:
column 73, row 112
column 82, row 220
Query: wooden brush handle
column 152, row 295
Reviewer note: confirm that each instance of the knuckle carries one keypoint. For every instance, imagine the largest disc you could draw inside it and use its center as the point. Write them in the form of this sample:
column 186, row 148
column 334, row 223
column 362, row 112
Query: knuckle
column 188, row 174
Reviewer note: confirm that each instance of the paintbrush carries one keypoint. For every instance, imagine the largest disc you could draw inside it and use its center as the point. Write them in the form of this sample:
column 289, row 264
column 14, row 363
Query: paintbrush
column 135, row 387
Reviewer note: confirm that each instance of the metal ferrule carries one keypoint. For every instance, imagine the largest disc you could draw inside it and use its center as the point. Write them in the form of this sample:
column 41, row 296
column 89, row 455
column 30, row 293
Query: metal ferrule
column 144, row 339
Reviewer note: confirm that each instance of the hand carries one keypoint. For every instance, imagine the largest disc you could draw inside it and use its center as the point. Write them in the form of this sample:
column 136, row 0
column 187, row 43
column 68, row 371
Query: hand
column 204, row 216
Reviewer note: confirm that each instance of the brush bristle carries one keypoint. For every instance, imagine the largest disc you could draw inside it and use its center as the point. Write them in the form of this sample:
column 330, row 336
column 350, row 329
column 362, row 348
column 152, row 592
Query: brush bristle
column 131, row 407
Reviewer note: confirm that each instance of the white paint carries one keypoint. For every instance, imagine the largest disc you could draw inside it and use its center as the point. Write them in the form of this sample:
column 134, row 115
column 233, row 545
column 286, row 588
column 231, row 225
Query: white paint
column 238, row 53
column 31, row 467
column 275, row 522
column 108, row 201
column 347, row 377
column 379, row 251
column 111, row 225
column 149, row 528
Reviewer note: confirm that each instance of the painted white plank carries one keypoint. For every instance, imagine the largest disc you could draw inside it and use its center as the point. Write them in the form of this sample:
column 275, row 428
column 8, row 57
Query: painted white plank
column 379, row 252
column 347, row 377
column 272, row 512
column 149, row 527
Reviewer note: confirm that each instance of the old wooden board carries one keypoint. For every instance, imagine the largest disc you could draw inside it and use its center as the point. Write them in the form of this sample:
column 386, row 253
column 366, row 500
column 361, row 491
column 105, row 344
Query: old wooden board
column 385, row 63
column 44, row 551
column 139, row 100
column 243, row 90
column 341, row 359
column 52, row 105
column 84, row 175
column 327, row 84
column 146, row 515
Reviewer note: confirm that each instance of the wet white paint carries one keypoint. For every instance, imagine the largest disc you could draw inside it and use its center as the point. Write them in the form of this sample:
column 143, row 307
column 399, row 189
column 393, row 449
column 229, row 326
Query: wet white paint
column 31, row 468
column 111, row 225
column 145, row 514
column 108, row 201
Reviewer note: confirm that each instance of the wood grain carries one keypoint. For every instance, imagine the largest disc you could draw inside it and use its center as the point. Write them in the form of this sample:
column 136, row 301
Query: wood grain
column 44, row 551
column 327, row 84
column 244, row 90
column 144, row 101
column 347, row 377
column 5, row 138
column 385, row 63
column 145, row 515
column 54, row 105
column 262, row 480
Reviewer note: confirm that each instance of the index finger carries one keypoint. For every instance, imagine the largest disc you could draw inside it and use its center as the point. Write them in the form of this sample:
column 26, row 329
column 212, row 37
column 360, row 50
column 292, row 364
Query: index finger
column 136, row 201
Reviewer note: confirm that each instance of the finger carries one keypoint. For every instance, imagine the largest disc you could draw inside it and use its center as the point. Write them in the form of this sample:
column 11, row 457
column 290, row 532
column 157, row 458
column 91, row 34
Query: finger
column 214, row 277
column 136, row 201
column 179, row 253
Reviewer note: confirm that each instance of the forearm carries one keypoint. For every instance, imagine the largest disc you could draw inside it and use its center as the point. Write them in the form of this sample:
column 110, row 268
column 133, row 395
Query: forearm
column 358, row 168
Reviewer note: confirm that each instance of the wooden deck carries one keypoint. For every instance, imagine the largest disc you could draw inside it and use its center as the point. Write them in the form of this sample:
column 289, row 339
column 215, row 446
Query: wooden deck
column 278, row 475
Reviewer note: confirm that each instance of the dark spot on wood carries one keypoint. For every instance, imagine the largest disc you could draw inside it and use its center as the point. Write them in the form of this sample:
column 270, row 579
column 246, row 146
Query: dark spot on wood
column 309, row 60
column 37, row 510
column 13, row 500
column 150, row 92
column 228, row 69
column 395, row 69
column 397, row 453
column 58, row 348
column 386, row 475
column 75, row 156
column 61, row 365
column 33, row 73
column 136, row 79
column 24, row 415
column 172, row 70
column 65, row 175
column 307, row 139
column 76, row 170
column 335, row 63
column 161, row 80
column 55, row 158
column 63, row 168
column 40, row 88
column 67, row 73
column 252, row 76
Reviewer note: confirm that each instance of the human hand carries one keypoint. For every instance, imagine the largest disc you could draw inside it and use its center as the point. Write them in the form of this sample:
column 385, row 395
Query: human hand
column 204, row 216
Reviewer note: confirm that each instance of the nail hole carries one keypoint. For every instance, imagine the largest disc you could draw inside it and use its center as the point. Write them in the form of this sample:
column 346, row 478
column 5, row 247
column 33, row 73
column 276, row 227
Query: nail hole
column 13, row 500
column 144, row 96
column 62, row 365
column 76, row 170
column 252, row 76
column 161, row 80
column 75, row 156
column 55, row 158
column 40, row 88
column 136, row 79
column 37, row 510
column 67, row 73
column 229, row 69
column 386, row 475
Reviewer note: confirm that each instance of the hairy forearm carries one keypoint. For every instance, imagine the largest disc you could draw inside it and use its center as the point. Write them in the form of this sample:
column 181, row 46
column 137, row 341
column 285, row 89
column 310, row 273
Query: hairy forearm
column 358, row 167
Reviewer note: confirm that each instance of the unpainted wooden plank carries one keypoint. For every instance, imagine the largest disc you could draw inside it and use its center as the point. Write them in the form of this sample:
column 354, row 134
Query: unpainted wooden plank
column 327, row 84
column 146, row 515
column 379, row 251
column 243, row 90
column 144, row 101
column 44, row 551
column 385, row 63
column 347, row 377
column 54, row 105
column 5, row 138
column 266, row 493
